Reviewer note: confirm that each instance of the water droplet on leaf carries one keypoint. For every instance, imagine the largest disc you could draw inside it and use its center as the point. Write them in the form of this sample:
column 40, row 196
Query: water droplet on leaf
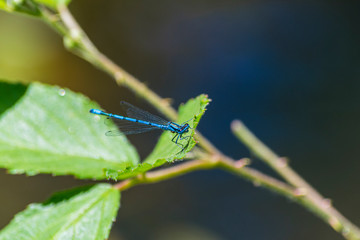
column 62, row 92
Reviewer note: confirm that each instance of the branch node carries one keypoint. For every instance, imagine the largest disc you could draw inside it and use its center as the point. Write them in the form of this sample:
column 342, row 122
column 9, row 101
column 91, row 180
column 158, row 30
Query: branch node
column 300, row 192
column 242, row 162
column 326, row 203
column 214, row 159
column 167, row 101
column 119, row 76
column 76, row 34
column 282, row 162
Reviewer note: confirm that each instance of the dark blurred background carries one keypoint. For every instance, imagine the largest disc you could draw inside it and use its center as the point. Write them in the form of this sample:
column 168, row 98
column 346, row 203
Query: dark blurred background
column 289, row 70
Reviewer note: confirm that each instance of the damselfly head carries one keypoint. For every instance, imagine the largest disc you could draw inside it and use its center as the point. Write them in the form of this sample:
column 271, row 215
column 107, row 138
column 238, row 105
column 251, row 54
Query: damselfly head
column 186, row 127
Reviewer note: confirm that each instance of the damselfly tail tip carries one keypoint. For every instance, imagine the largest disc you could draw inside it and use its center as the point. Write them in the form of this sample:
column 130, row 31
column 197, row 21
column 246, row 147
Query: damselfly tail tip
column 95, row 111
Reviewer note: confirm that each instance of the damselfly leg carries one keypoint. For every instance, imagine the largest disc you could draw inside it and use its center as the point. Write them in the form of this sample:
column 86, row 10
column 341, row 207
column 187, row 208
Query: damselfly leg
column 178, row 137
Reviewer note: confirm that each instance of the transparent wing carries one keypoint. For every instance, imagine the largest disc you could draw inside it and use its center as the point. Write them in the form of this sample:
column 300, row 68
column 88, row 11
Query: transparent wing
column 127, row 128
column 140, row 114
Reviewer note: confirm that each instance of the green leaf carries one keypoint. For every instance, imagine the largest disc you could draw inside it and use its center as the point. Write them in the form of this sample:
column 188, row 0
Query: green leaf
column 165, row 150
column 82, row 213
column 46, row 129
column 53, row 3
column 30, row 7
column 20, row 6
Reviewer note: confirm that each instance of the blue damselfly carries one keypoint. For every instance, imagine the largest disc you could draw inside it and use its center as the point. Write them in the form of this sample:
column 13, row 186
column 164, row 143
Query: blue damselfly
column 140, row 121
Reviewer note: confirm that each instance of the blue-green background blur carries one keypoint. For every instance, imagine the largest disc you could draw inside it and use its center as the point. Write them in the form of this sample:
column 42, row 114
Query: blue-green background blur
column 288, row 69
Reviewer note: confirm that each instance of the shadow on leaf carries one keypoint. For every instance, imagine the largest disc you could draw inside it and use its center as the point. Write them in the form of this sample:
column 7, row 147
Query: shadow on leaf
column 10, row 94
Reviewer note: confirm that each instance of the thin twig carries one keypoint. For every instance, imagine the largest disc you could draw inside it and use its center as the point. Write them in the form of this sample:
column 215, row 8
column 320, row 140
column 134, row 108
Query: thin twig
column 210, row 162
column 264, row 153
column 164, row 174
column 312, row 199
